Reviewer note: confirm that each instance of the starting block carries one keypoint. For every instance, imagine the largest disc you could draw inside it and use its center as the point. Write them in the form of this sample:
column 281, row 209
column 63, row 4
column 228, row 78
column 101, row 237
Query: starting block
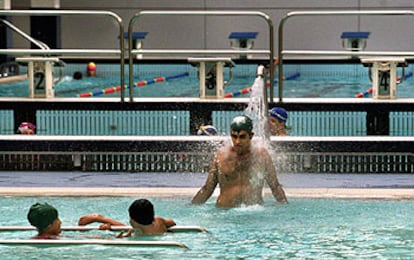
column 383, row 75
column 211, row 75
column 242, row 41
column 354, row 41
column 40, row 75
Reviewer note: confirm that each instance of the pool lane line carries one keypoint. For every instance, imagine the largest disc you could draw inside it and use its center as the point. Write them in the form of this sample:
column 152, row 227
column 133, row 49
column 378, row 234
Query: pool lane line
column 249, row 89
column 137, row 84
column 173, row 229
column 105, row 242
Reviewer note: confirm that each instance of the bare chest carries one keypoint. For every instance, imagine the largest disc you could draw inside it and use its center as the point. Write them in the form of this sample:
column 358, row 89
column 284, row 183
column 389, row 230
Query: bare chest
column 236, row 168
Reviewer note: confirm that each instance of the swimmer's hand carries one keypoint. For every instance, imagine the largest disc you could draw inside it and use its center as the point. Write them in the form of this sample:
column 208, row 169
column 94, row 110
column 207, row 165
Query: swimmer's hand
column 120, row 235
column 128, row 234
column 105, row 226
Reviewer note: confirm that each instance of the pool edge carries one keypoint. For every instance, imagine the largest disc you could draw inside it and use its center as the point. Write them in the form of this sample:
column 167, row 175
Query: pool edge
column 364, row 193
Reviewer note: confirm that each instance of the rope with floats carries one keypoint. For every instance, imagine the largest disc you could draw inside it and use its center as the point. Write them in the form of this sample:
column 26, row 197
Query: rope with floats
column 370, row 90
column 137, row 84
column 103, row 242
column 249, row 89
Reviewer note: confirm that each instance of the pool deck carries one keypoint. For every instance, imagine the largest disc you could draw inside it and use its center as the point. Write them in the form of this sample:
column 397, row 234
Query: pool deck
column 352, row 186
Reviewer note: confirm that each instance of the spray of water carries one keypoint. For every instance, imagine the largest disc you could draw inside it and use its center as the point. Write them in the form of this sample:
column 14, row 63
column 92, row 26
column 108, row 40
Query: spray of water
column 256, row 107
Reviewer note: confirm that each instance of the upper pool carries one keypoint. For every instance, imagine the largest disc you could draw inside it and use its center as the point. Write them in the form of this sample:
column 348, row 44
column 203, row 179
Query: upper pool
column 180, row 80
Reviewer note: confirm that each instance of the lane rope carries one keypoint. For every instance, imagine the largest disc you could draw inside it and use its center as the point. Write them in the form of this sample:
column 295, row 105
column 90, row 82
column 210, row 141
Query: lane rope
column 249, row 89
column 136, row 84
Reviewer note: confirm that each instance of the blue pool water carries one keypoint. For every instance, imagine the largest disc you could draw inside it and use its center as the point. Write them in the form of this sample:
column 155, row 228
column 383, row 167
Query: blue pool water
column 303, row 229
column 325, row 81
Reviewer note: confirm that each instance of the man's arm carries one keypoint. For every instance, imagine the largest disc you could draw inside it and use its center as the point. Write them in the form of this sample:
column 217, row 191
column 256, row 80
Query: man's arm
column 272, row 181
column 207, row 190
column 168, row 222
column 92, row 218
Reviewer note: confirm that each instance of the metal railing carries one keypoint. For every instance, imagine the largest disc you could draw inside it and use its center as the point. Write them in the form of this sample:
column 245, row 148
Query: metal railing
column 45, row 51
column 192, row 154
column 264, row 16
column 36, row 42
column 282, row 52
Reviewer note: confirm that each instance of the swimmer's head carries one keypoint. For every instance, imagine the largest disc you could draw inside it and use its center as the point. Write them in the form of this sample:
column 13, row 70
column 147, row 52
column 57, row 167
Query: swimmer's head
column 26, row 128
column 207, row 130
column 91, row 66
column 142, row 212
column 242, row 122
column 77, row 75
column 279, row 113
column 91, row 69
column 42, row 215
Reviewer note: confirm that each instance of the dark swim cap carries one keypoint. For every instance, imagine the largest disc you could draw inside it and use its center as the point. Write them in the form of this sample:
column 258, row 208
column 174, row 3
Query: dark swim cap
column 42, row 215
column 242, row 123
column 142, row 212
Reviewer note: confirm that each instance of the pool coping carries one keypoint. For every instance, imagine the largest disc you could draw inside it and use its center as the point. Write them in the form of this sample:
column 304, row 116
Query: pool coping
column 346, row 193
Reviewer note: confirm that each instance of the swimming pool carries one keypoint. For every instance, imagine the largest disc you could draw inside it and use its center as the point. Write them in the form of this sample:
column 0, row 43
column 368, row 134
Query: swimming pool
column 308, row 227
column 315, row 81
column 305, row 228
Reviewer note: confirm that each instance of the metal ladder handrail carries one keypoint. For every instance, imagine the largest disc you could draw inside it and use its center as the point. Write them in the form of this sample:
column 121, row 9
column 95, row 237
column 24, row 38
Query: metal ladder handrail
column 270, row 52
column 118, row 52
column 289, row 15
column 38, row 43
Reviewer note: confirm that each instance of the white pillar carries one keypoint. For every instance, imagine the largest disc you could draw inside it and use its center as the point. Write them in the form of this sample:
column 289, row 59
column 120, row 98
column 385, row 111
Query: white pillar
column 45, row 4
column 211, row 68
column 5, row 4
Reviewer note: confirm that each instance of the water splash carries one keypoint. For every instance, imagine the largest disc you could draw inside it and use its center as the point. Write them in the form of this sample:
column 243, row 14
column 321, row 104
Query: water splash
column 256, row 107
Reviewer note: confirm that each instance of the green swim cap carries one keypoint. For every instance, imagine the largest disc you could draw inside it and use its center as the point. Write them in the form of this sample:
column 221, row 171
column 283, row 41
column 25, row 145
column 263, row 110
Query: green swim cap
column 42, row 215
column 242, row 123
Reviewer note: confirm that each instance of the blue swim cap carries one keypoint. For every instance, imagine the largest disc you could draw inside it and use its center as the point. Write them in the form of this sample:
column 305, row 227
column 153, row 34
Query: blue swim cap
column 242, row 123
column 279, row 113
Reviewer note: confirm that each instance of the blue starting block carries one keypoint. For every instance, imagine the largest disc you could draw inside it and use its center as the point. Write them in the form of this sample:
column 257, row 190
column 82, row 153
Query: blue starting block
column 354, row 41
column 136, row 35
column 242, row 40
column 137, row 39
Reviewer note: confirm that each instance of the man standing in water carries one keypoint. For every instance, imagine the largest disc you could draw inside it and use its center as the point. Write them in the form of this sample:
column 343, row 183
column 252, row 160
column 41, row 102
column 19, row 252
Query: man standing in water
column 240, row 169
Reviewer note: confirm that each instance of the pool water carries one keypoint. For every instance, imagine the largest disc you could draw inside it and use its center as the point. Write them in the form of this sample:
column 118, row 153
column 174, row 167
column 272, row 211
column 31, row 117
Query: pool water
column 303, row 229
column 319, row 81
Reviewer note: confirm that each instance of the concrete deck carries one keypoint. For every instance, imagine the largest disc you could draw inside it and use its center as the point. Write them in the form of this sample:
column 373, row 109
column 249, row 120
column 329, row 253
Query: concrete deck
column 367, row 186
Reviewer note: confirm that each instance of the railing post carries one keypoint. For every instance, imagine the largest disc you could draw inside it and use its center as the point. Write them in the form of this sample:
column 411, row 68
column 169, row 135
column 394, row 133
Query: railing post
column 44, row 51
